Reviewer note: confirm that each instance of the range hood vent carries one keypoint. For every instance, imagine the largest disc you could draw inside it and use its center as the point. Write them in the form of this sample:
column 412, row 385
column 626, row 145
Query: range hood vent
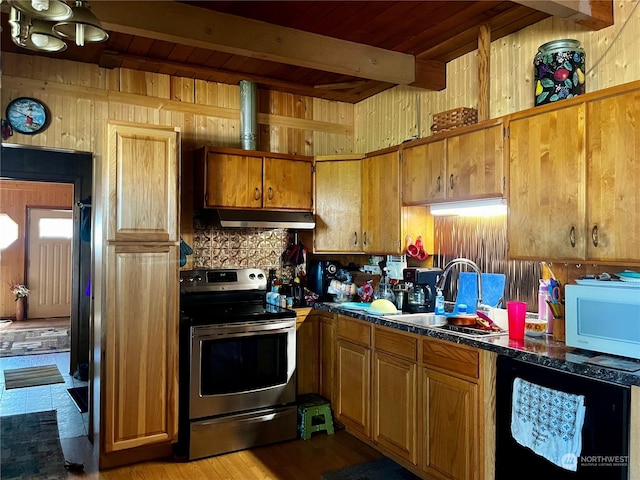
column 266, row 219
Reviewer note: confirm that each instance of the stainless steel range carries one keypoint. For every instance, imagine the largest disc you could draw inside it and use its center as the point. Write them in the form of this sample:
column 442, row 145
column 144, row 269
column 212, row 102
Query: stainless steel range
column 237, row 364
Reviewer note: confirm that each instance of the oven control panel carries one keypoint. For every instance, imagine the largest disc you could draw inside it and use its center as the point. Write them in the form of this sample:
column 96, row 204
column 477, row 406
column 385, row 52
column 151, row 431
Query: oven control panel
column 221, row 280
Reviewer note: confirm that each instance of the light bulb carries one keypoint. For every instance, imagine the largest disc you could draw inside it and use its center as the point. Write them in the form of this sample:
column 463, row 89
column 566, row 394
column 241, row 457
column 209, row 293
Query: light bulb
column 40, row 40
column 80, row 34
column 40, row 5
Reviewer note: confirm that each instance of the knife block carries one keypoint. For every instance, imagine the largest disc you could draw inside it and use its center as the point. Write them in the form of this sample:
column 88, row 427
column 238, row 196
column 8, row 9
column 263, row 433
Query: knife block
column 559, row 329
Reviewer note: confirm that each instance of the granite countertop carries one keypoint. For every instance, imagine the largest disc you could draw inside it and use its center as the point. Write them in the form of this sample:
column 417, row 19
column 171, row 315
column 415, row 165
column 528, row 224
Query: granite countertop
column 544, row 350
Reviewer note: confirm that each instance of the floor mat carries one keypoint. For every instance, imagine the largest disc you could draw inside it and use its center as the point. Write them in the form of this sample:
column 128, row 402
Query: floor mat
column 80, row 395
column 21, row 456
column 32, row 376
column 34, row 341
column 382, row 469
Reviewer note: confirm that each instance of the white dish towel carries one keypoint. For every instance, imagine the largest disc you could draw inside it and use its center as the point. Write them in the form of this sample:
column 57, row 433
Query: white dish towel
column 548, row 421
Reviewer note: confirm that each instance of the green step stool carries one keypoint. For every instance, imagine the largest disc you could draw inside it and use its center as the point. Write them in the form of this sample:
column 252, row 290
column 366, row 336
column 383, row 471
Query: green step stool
column 314, row 414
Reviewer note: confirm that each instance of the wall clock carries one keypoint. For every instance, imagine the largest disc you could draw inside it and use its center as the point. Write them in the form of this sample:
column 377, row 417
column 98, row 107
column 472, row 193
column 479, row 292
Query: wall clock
column 27, row 115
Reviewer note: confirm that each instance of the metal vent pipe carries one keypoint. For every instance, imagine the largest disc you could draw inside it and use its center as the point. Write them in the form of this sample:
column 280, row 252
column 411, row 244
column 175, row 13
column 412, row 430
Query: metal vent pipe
column 248, row 115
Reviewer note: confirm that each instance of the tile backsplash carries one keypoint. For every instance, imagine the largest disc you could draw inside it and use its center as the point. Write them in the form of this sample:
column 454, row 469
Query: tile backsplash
column 217, row 247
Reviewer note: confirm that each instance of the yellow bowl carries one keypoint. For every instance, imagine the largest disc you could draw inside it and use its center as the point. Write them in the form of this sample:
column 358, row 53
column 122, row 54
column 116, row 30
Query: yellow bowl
column 535, row 327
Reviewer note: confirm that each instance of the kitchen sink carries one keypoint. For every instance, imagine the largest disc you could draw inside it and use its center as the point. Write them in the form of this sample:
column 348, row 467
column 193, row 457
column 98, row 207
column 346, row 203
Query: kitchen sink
column 419, row 319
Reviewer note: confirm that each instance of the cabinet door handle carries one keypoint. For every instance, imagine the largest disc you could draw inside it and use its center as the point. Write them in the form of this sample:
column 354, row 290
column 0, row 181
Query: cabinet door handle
column 364, row 238
column 594, row 235
column 270, row 194
column 355, row 238
column 256, row 194
column 451, row 181
column 572, row 236
column 438, row 180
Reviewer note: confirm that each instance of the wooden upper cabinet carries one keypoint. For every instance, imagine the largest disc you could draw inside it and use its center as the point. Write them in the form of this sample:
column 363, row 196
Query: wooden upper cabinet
column 613, row 178
column 423, row 173
column 338, row 200
column 233, row 178
column 142, row 170
column 461, row 166
column 288, row 184
column 547, row 179
column 475, row 164
column 233, row 181
column 381, row 219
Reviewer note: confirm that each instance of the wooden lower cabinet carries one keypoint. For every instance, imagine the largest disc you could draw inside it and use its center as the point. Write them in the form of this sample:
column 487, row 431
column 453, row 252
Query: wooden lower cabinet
column 307, row 354
column 395, row 405
column 326, row 327
column 426, row 403
column 353, row 370
column 450, row 426
column 140, row 402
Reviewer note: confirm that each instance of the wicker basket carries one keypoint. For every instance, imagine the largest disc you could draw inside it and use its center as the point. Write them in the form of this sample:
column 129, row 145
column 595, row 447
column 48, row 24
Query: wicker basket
column 458, row 117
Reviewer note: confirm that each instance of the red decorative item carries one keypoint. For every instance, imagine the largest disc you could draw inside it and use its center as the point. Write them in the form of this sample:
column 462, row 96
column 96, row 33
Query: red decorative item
column 7, row 131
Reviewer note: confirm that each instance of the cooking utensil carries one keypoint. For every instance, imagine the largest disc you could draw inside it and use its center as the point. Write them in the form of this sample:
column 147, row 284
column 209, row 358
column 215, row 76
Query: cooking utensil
column 485, row 321
column 465, row 319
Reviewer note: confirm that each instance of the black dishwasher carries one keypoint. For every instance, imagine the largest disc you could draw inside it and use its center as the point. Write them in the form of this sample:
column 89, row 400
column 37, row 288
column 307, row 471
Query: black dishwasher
column 605, row 432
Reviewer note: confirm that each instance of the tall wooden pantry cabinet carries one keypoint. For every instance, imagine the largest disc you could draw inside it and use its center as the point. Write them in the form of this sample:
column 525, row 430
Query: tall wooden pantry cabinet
column 140, row 292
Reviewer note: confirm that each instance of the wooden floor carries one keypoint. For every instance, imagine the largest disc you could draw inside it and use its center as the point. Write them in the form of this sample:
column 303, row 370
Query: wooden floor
column 293, row 460
column 38, row 323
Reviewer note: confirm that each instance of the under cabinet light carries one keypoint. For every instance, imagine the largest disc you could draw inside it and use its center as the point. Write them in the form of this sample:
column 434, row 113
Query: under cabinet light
column 489, row 207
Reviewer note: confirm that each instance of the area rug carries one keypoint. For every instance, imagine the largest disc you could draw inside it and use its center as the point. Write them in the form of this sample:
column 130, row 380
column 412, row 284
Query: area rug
column 32, row 376
column 30, row 447
column 80, row 396
column 33, row 341
column 382, row 469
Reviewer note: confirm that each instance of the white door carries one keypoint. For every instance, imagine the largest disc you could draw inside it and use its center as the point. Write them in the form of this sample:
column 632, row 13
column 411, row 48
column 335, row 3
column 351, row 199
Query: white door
column 49, row 263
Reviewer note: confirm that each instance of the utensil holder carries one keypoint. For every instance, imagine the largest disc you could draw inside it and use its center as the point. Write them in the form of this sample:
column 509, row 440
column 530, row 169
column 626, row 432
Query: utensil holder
column 559, row 329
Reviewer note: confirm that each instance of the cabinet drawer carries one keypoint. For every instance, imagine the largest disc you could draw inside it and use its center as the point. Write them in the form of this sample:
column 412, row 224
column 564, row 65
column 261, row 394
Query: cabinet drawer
column 354, row 330
column 450, row 357
column 395, row 343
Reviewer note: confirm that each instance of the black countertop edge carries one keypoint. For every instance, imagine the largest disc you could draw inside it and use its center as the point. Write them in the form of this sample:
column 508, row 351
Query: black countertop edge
column 543, row 351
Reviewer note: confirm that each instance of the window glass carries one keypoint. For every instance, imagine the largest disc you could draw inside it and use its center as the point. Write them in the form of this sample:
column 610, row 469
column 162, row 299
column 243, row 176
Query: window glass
column 8, row 231
column 56, row 227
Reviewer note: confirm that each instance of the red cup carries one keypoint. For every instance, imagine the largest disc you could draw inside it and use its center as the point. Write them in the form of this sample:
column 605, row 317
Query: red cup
column 516, row 314
column 412, row 251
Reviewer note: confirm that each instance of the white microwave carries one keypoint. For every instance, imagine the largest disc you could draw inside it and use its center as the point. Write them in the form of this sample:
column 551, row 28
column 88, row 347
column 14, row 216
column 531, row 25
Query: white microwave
column 604, row 318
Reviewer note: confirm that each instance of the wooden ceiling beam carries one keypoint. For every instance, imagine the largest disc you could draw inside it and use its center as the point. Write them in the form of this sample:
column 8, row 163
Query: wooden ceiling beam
column 593, row 14
column 199, row 27
column 353, row 94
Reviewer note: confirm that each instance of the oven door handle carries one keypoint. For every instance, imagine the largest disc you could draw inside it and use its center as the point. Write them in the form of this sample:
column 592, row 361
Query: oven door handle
column 241, row 330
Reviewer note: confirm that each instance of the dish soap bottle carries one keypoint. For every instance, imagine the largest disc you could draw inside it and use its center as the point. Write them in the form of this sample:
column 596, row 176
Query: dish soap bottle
column 439, row 308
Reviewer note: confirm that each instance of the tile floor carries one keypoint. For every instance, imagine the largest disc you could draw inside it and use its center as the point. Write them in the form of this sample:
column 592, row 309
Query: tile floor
column 71, row 423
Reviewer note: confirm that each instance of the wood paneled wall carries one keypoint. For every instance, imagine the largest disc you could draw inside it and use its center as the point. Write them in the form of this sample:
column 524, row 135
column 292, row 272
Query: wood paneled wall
column 82, row 97
column 15, row 197
column 402, row 112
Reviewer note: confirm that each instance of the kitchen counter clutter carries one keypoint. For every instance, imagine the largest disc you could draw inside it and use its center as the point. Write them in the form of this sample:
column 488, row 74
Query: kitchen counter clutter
column 543, row 350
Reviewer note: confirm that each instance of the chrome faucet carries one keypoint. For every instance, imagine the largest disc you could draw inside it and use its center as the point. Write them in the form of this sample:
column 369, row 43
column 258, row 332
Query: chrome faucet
column 461, row 261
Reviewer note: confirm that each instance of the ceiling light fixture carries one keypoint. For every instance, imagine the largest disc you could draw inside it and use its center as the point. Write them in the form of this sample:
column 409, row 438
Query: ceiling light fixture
column 33, row 34
column 489, row 207
column 82, row 27
column 52, row 10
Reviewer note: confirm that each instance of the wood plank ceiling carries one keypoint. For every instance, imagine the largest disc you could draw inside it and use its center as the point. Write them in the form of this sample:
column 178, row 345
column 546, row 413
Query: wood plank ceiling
column 229, row 41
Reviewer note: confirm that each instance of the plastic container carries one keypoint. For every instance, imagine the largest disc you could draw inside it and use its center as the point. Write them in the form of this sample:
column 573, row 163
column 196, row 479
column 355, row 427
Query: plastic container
column 544, row 311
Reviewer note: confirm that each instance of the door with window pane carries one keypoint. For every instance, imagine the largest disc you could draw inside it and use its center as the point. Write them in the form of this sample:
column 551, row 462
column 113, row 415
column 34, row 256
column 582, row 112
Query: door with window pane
column 49, row 262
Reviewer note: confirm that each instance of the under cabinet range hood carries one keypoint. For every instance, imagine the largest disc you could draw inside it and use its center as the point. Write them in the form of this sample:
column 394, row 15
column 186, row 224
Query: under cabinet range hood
column 266, row 219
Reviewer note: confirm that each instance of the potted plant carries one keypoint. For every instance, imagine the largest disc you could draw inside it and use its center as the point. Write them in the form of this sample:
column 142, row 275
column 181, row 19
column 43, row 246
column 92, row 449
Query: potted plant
column 19, row 291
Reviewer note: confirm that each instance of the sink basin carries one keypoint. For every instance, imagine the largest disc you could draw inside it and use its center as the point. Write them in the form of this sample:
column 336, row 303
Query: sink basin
column 419, row 319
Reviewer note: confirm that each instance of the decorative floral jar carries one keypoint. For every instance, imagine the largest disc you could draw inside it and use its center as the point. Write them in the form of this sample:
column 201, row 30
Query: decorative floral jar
column 559, row 71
